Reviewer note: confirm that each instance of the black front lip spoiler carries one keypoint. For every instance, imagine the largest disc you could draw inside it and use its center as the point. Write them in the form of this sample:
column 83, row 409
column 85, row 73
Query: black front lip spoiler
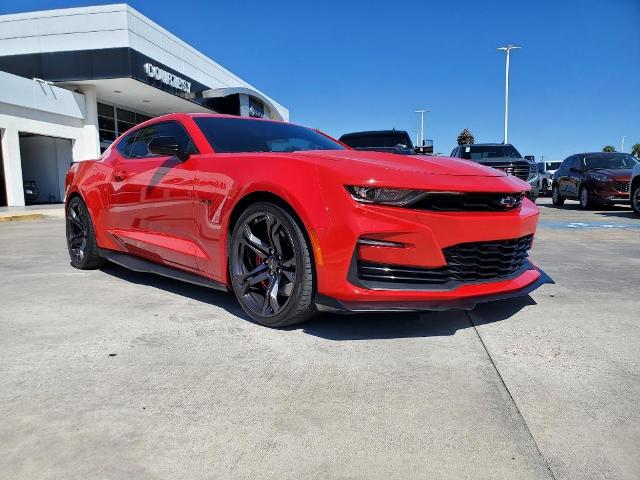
column 328, row 304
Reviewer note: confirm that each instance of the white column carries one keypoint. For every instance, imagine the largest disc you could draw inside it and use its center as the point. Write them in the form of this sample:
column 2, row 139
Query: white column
column 12, row 167
column 90, row 147
column 506, row 101
column 244, row 105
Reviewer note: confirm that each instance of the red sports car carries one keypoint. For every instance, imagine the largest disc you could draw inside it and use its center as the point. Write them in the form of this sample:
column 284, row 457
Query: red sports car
column 294, row 222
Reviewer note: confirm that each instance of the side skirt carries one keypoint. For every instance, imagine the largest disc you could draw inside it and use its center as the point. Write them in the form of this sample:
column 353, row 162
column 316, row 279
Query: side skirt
column 141, row 265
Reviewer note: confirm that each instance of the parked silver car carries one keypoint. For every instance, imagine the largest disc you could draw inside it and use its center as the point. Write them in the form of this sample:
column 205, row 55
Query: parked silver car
column 545, row 176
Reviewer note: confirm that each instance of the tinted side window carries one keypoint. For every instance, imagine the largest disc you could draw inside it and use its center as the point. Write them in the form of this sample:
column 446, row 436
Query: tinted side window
column 124, row 146
column 575, row 162
column 139, row 148
column 454, row 152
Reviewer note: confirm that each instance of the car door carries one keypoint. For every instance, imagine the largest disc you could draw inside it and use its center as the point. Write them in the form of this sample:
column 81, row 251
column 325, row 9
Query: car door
column 574, row 177
column 563, row 176
column 151, row 204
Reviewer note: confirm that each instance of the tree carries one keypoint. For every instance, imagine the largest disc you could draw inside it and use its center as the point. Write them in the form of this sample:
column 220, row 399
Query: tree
column 609, row 148
column 466, row 137
column 635, row 150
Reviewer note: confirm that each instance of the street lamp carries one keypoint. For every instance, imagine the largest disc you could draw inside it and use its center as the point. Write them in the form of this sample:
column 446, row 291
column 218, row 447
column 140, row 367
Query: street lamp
column 507, row 49
column 422, row 112
column 417, row 132
column 622, row 149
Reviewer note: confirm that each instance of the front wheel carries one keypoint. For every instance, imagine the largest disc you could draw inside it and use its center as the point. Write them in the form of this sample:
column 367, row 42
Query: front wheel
column 635, row 199
column 585, row 201
column 556, row 198
column 81, row 238
column 270, row 265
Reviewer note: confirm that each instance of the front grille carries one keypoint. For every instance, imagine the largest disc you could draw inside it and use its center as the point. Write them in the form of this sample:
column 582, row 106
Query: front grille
column 466, row 263
column 469, row 202
column 621, row 186
column 522, row 170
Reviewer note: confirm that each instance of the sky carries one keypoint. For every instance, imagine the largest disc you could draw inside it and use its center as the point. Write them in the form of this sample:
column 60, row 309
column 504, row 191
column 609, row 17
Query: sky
column 345, row 65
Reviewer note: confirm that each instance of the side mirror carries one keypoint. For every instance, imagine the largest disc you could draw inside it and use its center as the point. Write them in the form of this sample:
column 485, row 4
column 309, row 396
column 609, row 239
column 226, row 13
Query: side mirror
column 167, row 146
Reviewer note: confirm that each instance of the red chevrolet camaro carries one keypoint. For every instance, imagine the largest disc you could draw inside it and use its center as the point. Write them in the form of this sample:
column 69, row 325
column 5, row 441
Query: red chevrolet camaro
column 294, row 222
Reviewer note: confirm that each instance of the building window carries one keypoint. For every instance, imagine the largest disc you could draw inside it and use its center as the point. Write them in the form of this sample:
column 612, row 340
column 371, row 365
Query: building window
column 113, row 122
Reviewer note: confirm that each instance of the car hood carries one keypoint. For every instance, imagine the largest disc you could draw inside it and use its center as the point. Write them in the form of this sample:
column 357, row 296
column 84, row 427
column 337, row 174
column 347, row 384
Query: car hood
column 615, row 173
column 419, row 164
column 352, row 167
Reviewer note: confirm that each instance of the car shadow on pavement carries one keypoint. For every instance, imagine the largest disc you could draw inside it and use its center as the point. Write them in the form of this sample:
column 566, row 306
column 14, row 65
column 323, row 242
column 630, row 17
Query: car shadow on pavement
column 376, row 326
column 363, row 326
column 224, row 300
column 628, row 213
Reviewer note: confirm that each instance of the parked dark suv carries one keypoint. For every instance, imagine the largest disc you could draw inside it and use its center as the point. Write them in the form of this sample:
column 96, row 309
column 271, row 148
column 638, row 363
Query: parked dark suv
column 390, row 141
column 594, row 179
column 502, row 156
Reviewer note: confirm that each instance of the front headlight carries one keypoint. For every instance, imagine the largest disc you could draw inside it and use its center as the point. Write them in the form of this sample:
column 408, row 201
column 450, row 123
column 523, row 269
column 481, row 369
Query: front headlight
column 399, row 197
column 600, row 177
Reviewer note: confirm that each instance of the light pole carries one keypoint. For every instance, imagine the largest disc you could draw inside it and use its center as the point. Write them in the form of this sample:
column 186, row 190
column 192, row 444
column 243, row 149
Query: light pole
column 421, row 112
column 507, row 49
column 622, row 149
column 417, row 138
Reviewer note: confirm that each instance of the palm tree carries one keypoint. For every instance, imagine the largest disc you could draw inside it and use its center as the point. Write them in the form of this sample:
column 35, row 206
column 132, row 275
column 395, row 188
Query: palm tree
column 609, row 148
column 466, row 137
column 635, row 150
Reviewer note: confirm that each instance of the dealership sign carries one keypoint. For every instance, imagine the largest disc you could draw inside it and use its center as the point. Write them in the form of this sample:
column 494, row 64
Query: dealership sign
column 167, row 78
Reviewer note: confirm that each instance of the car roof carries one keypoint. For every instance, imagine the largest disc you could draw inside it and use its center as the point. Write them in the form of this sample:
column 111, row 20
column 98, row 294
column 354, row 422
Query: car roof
column 369, row 132
column 485, row 145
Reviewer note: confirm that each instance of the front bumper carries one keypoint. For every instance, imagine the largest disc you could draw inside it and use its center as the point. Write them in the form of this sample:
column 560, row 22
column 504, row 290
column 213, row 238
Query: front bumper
column 328, row 304
column 423, row 236
column 610, row 192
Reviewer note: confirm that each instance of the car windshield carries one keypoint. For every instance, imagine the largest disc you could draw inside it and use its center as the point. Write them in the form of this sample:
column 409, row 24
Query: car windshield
column 481, row 152
column 240, row 135
column 375, row 140
column 615, row 161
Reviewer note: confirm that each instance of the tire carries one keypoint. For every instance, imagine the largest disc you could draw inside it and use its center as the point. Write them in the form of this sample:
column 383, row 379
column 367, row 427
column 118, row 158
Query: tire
column 269, row 253
column 585, row 201
column 81, row 238
column 556, row 198
column 635, row 199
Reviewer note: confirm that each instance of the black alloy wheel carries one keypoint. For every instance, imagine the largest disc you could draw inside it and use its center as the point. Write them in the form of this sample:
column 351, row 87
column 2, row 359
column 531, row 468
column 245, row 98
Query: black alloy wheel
column 556, row 198
column 270, row 266
column 81, row 240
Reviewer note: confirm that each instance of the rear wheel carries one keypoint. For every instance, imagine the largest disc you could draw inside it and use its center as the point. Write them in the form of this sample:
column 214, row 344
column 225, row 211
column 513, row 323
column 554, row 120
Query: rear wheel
column 556, row 198
column 271, row 267
column 81, row 239
column 635, row 199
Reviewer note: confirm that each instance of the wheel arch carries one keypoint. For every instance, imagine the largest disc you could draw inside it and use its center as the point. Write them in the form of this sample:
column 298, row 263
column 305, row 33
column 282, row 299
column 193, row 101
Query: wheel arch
column 270, row 197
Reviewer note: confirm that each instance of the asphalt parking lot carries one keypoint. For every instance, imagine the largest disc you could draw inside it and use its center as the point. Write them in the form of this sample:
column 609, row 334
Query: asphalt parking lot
column 113, row 374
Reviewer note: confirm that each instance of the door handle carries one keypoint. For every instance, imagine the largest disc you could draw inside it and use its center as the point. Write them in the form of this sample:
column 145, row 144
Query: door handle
column 120, row 175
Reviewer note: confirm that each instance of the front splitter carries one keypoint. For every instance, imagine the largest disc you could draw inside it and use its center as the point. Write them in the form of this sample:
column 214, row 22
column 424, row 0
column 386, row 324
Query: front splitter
column 328, row 304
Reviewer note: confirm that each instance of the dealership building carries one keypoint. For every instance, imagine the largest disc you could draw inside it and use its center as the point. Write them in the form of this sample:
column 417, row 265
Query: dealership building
column 72, row 80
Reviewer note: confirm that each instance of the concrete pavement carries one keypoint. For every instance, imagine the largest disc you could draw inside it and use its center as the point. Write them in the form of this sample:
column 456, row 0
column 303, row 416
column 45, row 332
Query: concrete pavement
column 113, row 374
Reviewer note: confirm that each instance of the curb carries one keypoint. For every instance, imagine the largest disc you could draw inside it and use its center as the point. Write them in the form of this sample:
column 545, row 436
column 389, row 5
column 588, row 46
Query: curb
column 17, row 218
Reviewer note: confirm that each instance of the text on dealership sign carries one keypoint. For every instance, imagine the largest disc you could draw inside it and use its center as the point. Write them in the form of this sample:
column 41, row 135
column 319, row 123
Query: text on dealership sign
column 167, row 78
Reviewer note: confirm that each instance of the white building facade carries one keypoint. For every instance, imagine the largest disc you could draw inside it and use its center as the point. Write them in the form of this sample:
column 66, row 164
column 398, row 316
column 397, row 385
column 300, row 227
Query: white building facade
column 73, row 80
